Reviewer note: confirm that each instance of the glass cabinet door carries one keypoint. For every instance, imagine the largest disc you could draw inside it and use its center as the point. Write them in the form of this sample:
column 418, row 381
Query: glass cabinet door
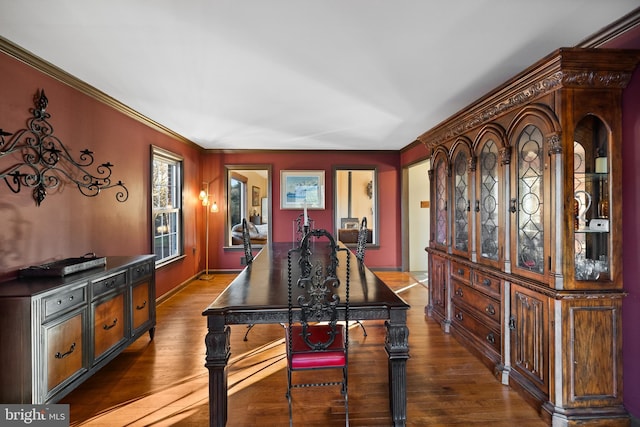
column 440, row 185
column 591, row 200
column 461, row 203
column 529, row 204
column 488, row 203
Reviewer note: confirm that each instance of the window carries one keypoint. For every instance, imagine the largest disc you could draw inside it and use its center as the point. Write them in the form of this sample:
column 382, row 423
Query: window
column 166, row 195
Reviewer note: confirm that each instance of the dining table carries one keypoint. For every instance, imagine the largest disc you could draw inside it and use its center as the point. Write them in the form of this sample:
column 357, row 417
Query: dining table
column 259, row 295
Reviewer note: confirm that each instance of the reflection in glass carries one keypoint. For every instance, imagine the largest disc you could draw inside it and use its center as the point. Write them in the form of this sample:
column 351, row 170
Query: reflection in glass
column 355, row 191
column 254, row 206
column 591, row 193
column 489, row 200
column 461, row 222
column 530, row 213
column 441, row 201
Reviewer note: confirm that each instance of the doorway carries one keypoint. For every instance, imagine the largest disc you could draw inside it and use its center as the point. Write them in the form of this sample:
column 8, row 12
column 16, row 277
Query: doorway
column 417, row 218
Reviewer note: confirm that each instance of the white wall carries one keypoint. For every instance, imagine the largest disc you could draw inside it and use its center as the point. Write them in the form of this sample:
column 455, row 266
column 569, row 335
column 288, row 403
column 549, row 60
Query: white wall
column 418, row 217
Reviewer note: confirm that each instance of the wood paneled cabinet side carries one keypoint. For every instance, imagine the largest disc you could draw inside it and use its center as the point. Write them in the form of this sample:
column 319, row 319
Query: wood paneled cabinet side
column 545, row 223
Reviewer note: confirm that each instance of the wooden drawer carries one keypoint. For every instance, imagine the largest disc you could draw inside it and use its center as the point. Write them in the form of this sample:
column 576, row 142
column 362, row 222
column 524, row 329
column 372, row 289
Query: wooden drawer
column 140, row 303
column 64, row 301
column 489, row 337
column 64, row 350
column 460, row 272
column 109, row 284
column 480, row 302
column 488, row 284
column 109, row 324
column 141, row 270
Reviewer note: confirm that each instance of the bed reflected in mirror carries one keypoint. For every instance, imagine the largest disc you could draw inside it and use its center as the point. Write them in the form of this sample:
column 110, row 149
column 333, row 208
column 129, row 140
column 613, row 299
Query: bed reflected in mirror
column 248, row 195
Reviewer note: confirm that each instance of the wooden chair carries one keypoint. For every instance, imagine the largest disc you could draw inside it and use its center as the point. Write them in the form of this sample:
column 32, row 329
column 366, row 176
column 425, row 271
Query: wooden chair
column 315, row 339
column 246, row 242
column 362, row 240
column 248, row 256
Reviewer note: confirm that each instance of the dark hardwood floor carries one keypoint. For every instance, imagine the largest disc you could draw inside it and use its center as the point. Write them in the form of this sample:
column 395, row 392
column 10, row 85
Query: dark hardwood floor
column 164, row 382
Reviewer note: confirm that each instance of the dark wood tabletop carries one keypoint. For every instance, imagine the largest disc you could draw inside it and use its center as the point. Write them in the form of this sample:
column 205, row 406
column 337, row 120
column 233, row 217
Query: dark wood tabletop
column 259, row 295
column 263, row 284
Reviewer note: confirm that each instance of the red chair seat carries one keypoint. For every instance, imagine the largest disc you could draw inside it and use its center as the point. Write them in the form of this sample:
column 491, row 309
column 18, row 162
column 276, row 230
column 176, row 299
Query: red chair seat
column 303, row 357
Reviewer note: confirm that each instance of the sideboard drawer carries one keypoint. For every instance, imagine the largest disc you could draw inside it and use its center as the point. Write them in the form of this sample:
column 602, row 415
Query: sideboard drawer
column 109, row 324
column 489, row 337
column 141, row 270
column 488, row 284
column 109, row 284
column 63, row 348
column 460, row 272
column 477, row 300
column 64, row 301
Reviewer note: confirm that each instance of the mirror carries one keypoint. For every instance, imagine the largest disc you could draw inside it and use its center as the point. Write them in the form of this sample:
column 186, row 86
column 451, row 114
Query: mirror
column 356, row 196
column 248, row 195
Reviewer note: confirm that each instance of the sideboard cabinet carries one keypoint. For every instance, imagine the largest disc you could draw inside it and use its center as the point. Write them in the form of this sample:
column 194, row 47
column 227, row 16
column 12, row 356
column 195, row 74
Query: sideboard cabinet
column 525, row 263
column 57, row 332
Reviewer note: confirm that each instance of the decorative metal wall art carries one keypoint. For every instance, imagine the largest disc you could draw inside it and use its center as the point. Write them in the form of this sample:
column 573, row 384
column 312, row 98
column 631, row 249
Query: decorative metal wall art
column 43, row 162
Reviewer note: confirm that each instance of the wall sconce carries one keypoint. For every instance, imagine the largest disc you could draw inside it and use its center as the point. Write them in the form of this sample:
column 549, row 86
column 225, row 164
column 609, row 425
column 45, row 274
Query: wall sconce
column 209, row 206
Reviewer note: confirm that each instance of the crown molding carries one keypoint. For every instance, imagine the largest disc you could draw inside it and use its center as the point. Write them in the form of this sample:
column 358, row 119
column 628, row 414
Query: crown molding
column 28, row 58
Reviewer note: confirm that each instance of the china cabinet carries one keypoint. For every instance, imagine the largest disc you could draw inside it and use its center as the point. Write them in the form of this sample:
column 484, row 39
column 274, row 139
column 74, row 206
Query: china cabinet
column 525, row 247
column 61, row 330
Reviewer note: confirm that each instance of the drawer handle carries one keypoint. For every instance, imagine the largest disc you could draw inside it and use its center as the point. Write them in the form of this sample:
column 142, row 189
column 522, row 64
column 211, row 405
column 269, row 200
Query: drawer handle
column 60, row 301
column 59, row 355
column 460, row 272
column 459, row 292
column 459, row 316
column 110, row 283
column 486, row 282
column 490, row 310
column 107, row 327
column 140, row 307
column 491, row 338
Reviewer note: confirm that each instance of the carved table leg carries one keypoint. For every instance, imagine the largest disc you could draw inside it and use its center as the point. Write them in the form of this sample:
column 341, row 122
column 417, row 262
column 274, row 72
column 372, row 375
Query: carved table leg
column 218, row 345
column 397, row 347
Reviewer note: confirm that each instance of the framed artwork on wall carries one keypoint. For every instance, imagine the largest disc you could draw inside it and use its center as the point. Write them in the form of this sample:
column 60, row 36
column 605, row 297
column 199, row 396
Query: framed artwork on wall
column 300, row 189
column 255, row 196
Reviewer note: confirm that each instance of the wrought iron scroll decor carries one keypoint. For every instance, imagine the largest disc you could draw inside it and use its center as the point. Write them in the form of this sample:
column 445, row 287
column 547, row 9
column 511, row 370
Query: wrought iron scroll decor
column 43, row 162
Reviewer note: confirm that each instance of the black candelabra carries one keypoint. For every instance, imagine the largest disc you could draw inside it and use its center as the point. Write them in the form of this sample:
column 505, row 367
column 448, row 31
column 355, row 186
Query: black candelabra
column 42, row 162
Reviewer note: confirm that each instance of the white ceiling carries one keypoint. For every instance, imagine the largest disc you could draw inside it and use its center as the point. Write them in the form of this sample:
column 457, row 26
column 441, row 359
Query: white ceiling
column 300, row 74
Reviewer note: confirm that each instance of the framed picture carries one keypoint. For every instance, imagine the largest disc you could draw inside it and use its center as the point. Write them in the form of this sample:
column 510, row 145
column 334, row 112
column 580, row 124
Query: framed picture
column 301, row 188
column 255, row 196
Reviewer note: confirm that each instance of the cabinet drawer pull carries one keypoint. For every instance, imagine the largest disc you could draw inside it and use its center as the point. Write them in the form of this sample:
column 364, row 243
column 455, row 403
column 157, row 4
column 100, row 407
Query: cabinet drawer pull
column 140, row 307
column 486, row 282
column 458, row 292
column 490, row 310
column 59, row 355
column 110, row 283
column 491, row 338
column 107, row 327
column 60, row 301
column 459, row 316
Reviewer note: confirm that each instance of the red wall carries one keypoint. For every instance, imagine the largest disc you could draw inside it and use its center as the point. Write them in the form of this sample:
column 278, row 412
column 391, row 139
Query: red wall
column 631, row 226
column 68, row 224
column 387, row 256
column 414, row 153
